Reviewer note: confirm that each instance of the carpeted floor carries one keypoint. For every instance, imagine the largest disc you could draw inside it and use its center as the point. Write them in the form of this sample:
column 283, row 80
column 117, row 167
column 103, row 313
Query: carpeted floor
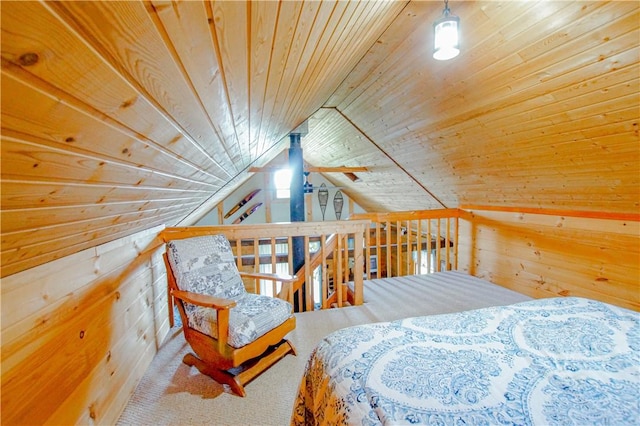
column 171, row 393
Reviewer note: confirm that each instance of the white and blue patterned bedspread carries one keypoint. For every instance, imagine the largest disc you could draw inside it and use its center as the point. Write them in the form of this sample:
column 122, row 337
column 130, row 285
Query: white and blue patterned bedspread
column 560, row 361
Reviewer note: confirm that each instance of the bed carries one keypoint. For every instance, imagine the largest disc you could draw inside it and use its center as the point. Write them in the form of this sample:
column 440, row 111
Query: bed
column 551, row 361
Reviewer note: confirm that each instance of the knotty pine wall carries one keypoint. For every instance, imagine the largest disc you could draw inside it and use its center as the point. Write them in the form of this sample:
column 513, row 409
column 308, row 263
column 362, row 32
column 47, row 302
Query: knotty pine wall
column 78, row 333
column 546, row 253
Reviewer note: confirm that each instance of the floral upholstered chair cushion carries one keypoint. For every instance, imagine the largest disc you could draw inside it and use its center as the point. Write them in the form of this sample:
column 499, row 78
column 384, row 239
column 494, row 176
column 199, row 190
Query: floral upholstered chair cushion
column 253, row 316
column 206, row 265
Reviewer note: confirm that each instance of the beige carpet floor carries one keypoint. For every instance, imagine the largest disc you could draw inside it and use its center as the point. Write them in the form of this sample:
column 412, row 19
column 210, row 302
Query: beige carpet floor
column 171, row 393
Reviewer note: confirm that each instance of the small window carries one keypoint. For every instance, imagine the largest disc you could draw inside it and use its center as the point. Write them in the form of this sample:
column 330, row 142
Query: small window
column 282, row 179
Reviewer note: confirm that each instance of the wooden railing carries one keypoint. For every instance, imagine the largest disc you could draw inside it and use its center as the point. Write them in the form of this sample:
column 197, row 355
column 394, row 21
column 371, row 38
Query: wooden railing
column 339, row 255
column 408, row 243
column 331, row 257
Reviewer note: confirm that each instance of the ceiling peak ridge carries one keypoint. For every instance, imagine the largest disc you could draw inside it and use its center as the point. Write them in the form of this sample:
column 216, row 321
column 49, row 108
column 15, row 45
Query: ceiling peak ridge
column 363, row 133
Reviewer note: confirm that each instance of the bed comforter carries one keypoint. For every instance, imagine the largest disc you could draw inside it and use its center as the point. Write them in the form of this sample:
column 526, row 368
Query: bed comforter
column 553, row 361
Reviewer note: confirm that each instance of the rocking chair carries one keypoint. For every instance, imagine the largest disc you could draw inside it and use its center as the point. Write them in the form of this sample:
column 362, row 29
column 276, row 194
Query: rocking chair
column 235, row 335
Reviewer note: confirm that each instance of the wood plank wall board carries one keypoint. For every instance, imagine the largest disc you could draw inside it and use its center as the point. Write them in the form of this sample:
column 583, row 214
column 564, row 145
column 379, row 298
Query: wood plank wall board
column 567, row 110
column 33, row 304
column 373, row 64
column 169, row 88
column 597, row 262
column 278, row 75
column 18, row 259
column 41, row 115
column 103, row 394
column 72, row 329
column 187, row 23
column 320, row 147
column 17, row 220
column 548, row 255
column 491, row 87
column 356, row 35
column 229, row 37
column 52, row 194
column 27, row 157
column 68, row 124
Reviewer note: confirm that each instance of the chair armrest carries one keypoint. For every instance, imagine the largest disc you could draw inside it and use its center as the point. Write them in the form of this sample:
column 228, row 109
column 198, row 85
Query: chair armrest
column 286, row 292
column 203, row 300
column 269, row 276
column 222, row 307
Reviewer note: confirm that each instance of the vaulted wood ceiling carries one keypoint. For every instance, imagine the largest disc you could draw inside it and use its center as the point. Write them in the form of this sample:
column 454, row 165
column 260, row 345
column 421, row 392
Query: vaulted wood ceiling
column 119, row 116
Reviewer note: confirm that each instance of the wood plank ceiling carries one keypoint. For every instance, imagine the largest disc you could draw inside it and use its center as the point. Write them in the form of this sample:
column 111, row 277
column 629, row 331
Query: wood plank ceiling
column 119, row 116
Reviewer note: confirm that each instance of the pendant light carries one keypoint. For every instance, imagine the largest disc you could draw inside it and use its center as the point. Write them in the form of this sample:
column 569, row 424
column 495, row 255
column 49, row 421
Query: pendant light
column 446, row 35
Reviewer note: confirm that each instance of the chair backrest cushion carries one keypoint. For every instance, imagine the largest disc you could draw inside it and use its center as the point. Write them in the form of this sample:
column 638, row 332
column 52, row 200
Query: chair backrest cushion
column 206, row 265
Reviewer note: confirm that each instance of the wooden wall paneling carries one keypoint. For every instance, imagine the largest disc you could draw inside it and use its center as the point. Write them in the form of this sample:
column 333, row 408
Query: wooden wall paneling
column 523, row 76
column 553, row 275
column 569, row 109
column 43, row 116
column 328, row 33
column 296, row 37
column 593, row 246
column 72, row 71
column 36, row 293
column 65, row 352
column 16, row 260
column 386, row 186
column 230, row 21
column 28, row 157
column 571, row 125
column 373, row 64
column 363, row 25
column 539, row 283
column 488, row 96
column 420, row 121
column 186, row 26
column 279, row 76
column 409, row 32
column 79, row 218
column 133, row 46
column 546, row 255
column 529, row 120
column 125, row 362
column 263, row 24
column 24, row 236
column 315, row 32
column 24, row 194
column 507, row 45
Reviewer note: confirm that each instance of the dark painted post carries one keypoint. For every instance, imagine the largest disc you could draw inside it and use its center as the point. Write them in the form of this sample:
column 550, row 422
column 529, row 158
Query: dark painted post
column 296, row 207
